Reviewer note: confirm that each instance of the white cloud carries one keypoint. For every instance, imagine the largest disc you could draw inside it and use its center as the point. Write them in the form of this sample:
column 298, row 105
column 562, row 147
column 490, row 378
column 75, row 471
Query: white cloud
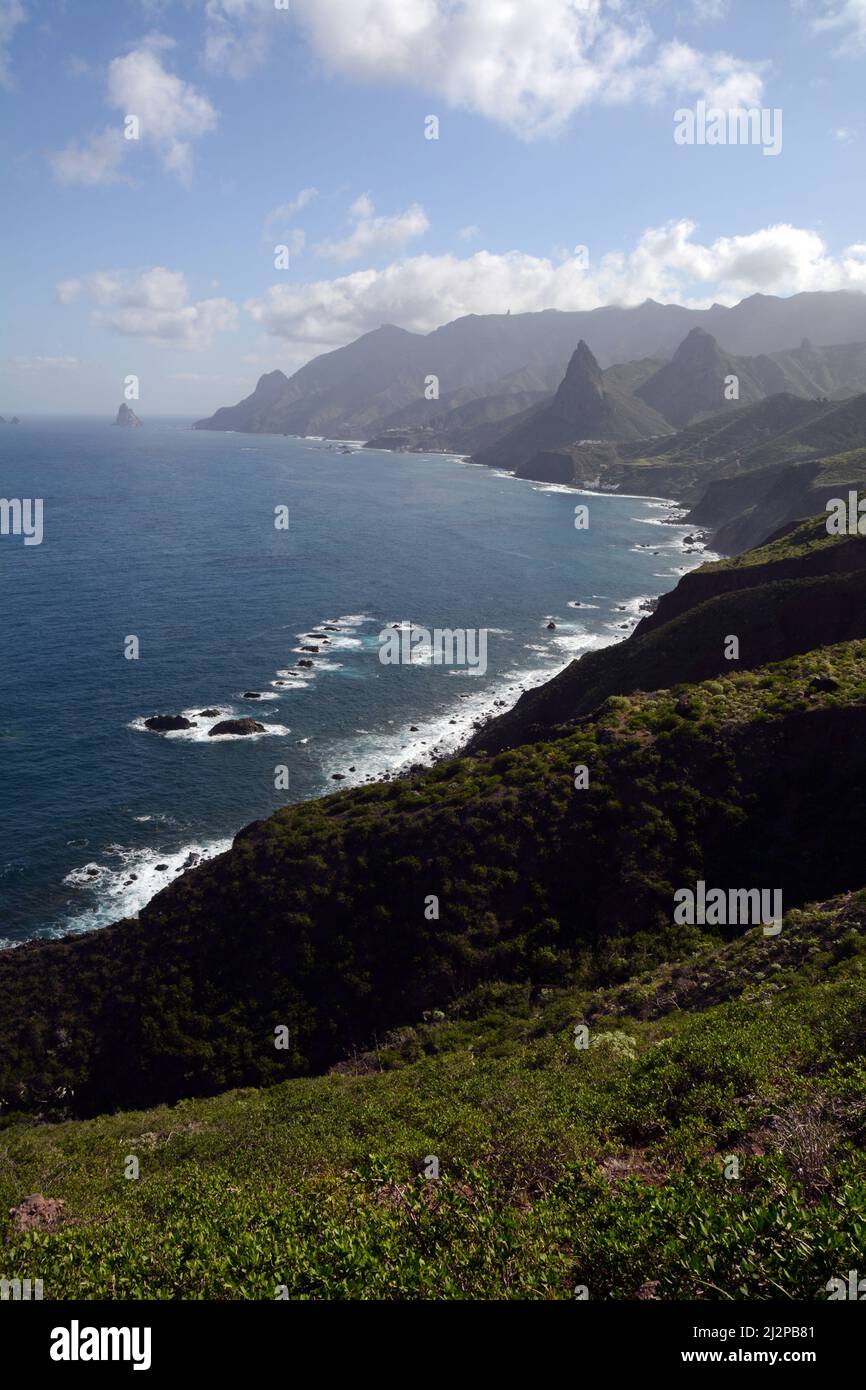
column 295, row 239
column 371, row 234
column 96, row 160
column 171, row 112
column 470, row 233
column 844, row 134
column 847, row 15
column 279, row 218
column 152, row 304
column 67, row 291
column 667, row 264
column 710, row 10
column 527, row 64
column 238, row 34
column 12, row 13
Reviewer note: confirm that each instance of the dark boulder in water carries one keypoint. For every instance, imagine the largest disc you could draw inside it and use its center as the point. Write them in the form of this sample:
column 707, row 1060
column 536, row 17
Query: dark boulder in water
column 166, row 723
column 209, row 713
column 305, row 661
column 236, row 726
column 252, row 695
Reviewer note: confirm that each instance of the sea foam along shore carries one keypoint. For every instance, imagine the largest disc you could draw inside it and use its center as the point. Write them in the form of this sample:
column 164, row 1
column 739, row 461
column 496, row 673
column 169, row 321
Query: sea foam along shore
column 381, row 755
column 123, row 888
column 124, row 880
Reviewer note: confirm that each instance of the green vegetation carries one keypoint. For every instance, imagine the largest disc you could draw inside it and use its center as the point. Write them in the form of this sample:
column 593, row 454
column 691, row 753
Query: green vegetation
column 799, row 591
column 559, row 1167
column 315, row 919
column 799, row 540
column 416, row 1035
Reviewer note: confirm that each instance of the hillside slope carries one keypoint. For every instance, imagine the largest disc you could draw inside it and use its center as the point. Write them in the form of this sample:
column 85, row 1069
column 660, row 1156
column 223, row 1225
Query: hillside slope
column 607, row 1168
column 802, row 591
column 545, row 1086
column 315, row 919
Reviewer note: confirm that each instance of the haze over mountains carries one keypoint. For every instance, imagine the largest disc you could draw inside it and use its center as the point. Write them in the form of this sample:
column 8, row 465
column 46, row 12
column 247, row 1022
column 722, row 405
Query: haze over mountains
column 750, row 440
column 493, row 367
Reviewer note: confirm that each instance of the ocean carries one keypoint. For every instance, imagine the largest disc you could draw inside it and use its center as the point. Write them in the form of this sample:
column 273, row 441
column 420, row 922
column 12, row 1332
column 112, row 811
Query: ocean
column 167, row 536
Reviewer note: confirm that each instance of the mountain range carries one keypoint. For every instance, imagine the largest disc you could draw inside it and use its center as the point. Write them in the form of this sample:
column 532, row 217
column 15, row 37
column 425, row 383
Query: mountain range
column 748, row 442
column 490, row 368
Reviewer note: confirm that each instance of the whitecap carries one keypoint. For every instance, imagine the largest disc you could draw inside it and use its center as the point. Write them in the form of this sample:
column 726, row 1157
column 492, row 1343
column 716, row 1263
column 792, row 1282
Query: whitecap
column 117, row 897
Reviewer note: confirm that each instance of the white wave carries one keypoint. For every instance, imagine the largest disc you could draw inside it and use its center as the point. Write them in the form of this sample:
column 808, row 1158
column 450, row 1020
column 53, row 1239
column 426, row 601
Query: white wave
column 346, row 620
column 335, row 641
column 200, row 731
column 128, row 880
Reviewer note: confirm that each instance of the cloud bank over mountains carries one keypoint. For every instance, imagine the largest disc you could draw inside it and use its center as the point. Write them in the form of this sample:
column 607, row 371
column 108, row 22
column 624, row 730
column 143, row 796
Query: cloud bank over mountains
column 420, row 292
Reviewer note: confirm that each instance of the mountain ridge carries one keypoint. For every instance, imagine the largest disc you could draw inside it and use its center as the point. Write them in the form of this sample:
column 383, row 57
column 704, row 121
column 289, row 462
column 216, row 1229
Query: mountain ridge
column 353, row 390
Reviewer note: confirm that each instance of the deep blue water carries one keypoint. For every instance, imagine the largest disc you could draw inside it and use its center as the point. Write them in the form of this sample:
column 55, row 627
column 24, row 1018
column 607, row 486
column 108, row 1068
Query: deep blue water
column 168, row 534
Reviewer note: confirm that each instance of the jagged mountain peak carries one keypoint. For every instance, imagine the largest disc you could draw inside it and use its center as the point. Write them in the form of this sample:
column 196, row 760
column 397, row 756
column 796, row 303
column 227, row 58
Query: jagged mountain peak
column 697, row 348
column 581, row 388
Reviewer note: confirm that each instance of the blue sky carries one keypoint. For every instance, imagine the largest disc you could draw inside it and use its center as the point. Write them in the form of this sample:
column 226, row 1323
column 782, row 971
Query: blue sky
column 304, row 127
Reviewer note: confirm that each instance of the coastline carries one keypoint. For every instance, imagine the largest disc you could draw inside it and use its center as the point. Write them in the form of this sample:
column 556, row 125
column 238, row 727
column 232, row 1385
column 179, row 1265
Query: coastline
column 125, row 881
